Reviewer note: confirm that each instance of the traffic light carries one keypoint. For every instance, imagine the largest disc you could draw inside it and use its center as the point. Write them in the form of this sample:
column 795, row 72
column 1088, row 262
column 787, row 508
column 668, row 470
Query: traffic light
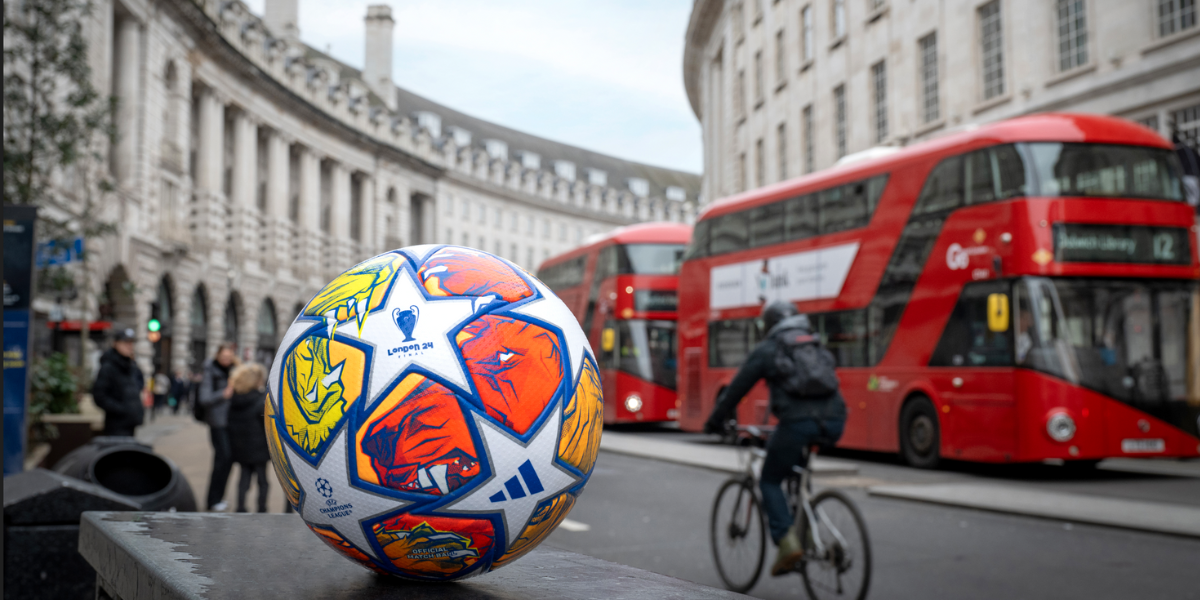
column 153, row 326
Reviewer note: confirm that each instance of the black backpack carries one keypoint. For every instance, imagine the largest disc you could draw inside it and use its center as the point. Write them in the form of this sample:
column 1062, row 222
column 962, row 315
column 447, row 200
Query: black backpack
column 804, row 368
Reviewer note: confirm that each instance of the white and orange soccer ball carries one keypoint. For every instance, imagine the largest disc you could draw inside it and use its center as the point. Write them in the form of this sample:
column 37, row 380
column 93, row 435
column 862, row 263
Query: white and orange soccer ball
column 434, row 412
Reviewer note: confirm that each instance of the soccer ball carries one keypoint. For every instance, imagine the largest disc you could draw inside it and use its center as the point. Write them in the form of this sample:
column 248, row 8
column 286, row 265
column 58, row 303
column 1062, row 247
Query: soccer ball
column 434, row 412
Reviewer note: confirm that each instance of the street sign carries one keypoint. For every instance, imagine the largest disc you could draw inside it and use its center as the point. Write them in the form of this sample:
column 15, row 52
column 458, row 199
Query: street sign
column 51, row 253
column 18, row 289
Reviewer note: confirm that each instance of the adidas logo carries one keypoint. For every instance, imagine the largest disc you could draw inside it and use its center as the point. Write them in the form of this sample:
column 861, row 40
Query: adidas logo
column 515, row 489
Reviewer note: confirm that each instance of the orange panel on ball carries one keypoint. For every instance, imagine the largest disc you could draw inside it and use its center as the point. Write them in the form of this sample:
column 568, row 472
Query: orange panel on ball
column 337, row 542
column 417, row 440
column 429, row 546
column 515, row 366
column 456, row 271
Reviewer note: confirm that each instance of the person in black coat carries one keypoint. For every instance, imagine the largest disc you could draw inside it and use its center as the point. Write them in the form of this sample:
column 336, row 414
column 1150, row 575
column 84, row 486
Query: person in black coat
column 118, row 387
column 247, row 434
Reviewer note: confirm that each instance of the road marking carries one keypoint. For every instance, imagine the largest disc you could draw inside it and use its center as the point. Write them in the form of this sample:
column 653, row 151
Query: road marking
column 576, row 526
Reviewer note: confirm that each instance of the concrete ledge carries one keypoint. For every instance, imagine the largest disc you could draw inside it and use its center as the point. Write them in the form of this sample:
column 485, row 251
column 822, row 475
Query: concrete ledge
column 167, row 556
column 706, row 456
column 1154, row 517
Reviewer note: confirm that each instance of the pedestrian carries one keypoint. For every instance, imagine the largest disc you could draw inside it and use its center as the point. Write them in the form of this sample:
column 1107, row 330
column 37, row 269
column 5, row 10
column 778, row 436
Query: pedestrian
column 215, row 392
column 247, row 435
column 804, row 397
column 118, row 386
column 179, row 390
column 160, row 388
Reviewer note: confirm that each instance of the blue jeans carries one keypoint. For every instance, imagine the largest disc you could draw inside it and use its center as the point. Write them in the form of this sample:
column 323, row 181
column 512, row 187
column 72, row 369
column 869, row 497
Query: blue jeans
column 786, row 448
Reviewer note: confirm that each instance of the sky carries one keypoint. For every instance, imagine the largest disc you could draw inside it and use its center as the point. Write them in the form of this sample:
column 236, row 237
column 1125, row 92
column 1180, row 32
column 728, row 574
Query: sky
column 603, row 75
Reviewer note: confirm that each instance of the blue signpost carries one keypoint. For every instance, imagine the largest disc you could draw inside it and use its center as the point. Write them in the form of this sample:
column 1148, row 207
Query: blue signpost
column 18, row 291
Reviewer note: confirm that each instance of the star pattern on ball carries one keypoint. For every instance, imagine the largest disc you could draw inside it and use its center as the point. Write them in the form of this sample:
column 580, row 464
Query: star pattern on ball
column 522, row 475
column 411, row 331
column 550, row 310
column 335, row 502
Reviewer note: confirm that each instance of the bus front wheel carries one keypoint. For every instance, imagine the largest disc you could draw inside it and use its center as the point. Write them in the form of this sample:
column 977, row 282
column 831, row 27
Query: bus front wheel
column 920, row 436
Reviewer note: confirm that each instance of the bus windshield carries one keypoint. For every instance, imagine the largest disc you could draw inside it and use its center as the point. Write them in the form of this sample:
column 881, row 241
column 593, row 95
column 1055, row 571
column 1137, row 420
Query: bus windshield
column 650, row 259
column 1127, row 339
column 644, row 349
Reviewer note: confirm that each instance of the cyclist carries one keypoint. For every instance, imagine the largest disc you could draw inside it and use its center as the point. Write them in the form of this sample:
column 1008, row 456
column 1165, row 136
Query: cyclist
column 804, row 398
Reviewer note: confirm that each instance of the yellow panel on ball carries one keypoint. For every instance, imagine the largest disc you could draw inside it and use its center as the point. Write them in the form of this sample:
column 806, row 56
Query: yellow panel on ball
column 322, row 378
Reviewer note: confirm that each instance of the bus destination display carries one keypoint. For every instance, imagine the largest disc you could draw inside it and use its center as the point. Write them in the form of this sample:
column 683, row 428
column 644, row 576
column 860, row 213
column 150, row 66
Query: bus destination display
column 1121, row 244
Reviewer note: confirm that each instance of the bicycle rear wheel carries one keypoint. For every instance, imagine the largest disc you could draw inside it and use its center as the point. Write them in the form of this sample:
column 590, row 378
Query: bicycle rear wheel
column 843, row 570
column 738, row 535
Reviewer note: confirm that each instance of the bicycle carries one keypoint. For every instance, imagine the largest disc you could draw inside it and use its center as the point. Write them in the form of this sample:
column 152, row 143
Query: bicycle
column 837, row 550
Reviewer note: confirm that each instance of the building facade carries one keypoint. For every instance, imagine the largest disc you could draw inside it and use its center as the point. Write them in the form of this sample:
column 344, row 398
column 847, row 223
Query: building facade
column 786, row 87
column 250, row 169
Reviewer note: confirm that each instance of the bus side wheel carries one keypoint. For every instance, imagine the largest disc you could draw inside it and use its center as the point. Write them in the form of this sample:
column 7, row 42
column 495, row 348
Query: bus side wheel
column 920, row 437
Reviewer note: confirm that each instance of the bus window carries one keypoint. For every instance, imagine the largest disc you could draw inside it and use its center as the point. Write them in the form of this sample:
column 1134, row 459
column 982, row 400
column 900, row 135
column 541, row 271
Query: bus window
column 800, row 217
column 995, row 173
column 563, row 275
column 845, row 334
column 698, row 247
column 968, row 340
column 843, row 207
column 728, row 234
column 730, row 342
column 943, row 189
column 647, row 259
column 766, row 224
column 1101, row 170
column 875, row 187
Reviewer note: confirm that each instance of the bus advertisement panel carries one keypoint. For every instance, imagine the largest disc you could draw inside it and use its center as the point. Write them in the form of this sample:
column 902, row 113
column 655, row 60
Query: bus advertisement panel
column 1023, row 291
column 622, row 288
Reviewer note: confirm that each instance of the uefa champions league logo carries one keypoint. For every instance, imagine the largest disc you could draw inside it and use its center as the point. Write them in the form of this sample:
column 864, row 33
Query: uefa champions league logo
column 324, row 488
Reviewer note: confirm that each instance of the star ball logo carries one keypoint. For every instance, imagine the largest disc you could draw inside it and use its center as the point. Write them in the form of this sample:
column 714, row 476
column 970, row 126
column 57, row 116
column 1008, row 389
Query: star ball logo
column 324, row 488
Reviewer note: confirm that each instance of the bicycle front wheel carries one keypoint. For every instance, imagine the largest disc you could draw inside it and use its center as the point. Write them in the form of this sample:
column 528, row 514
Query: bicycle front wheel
column 842, row 568
column 738, row 535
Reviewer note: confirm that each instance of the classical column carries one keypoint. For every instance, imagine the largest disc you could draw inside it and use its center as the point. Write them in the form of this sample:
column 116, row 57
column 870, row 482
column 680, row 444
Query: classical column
column 210, row 210
column 310, row 211
column 242, row 193
column 369, row 226
column 339, row 216
column 126, row 87
column 277, row 199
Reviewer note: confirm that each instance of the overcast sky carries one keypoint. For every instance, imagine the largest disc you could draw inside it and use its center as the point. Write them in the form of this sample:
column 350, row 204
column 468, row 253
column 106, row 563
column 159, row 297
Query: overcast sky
column 604, row 75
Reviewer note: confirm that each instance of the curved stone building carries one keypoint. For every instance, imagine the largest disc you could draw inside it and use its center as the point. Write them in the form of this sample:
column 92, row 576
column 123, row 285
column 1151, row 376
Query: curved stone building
column 786, row 87
column 251, row 169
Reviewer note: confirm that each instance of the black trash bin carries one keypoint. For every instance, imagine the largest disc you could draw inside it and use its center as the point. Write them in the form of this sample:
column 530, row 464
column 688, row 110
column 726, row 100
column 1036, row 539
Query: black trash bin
column 127, row 467
column 41, row 534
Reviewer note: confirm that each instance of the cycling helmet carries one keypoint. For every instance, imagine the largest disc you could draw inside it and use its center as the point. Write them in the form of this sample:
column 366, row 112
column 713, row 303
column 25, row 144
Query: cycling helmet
column 775, row 312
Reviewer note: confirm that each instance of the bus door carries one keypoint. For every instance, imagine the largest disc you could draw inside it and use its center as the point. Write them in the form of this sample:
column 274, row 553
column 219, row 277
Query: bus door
column 972, row 373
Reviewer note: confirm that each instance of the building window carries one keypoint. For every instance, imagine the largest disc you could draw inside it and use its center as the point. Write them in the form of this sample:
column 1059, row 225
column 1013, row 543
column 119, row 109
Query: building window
column 930, row 107
column 739, row 94
column 449, row 206
column 780, row 59
column 449, row 232
column 1175, row 16
column 758, row 10
column 512, row 252
column 739, row 22
column 482, row 216
column 1072, row 34
column 806, row 34
column 839, row 116
column 879, row 83
column 466, row 209
column 513, row 225
column 482, row 244
column 562, row 232
column 839, row 18
column 741, row 172
column 781, row 133
column 991, row 42
column 1185, row 126
column 529, row 257
column 546, row 229
column 806, row 130
column 466, row 239
column 760, row 163
column 758, row 78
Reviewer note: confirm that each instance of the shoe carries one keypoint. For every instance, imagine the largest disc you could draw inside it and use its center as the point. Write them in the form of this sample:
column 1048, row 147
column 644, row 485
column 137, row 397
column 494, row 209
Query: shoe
column 219, row 507
column 790, row 553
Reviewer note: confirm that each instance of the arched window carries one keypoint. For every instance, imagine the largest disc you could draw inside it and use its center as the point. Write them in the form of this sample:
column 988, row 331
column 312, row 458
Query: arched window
column 267, row 336
column 199, row 326
column 231, row 318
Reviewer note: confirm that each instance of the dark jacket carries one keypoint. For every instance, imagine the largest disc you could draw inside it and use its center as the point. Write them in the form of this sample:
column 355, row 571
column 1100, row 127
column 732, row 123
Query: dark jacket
column 118, row 391
column 761, row 365
column 211, row 395
column 247, row 433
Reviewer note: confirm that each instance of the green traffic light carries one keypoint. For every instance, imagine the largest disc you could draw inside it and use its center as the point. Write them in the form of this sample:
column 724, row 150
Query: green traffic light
column 153, row 325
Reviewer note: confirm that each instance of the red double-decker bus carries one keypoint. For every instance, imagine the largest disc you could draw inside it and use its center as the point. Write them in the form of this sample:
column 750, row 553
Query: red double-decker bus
column 1023, row 291
column 622, row 288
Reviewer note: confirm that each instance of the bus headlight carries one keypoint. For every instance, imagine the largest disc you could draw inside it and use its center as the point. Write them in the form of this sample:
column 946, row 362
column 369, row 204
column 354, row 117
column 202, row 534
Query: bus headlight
column 1060, row 426
column 633, row 403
